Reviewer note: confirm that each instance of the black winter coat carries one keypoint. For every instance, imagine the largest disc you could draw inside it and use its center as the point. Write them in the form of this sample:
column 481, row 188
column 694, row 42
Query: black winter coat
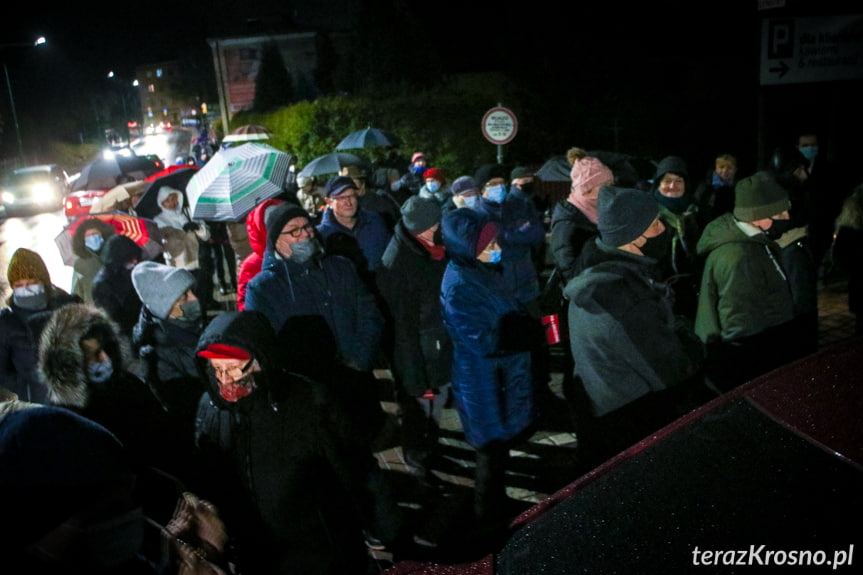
column 409, row 281
column 286, row 473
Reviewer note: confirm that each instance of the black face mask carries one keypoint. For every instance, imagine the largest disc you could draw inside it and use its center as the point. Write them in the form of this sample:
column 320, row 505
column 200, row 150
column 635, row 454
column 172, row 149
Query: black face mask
column 657, row 247
column 777, row 228
column 528, row 188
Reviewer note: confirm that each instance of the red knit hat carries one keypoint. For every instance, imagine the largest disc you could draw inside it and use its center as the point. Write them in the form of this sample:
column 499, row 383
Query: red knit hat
column 486, row 234
column 223, row 351
column 434, row 174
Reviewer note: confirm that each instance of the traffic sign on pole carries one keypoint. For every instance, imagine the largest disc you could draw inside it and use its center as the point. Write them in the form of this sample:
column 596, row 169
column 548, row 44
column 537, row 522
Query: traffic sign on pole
column 499, row 125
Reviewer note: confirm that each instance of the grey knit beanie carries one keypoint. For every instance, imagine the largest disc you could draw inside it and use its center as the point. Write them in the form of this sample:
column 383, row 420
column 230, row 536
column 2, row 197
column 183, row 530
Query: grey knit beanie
column 759, row 197
column 624, row 214
column 160, row 286
column 464, row 184
column 420, row 214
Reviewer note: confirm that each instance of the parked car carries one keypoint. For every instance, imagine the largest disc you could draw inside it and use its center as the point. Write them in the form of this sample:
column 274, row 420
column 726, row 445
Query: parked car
column 767, row 475
column 34, row 189
column 78, row 203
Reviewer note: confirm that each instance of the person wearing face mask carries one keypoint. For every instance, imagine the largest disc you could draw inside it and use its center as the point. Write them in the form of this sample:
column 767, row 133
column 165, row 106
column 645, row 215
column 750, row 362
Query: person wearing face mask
column 112, row 287
column 84, row 362
column 435, row 187
column 464, row 194
column 492, row 379
column 638, row 365
column 34, row 298
column 745, row 309
column 321, row 308
column 166, row 335
column 418, row 344
column 788, row 167
column 284, row 465
column 87, row 243
column 412, row 180
column 715, row 194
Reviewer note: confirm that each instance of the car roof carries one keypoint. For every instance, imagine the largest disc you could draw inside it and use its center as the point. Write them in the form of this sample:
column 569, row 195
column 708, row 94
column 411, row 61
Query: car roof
column 777, row 461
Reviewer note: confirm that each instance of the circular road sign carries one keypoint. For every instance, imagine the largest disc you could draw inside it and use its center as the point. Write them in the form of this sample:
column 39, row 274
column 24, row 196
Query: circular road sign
column 499, row 125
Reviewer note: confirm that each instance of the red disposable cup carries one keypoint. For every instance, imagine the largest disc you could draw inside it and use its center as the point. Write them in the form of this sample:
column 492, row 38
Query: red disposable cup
column 552, row 328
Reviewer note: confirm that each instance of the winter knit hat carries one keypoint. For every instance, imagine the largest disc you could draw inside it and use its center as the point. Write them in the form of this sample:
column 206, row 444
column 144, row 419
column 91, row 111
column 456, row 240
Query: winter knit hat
column 420, row 214
column 417, row 156
column 624, row 214
column 520, row 172
column 160, row 286
column 434, row 174
column 758, row 197
column 486, row 234
column 464, row 184
column 587, row 173
column 276, row 217
column 26, row 264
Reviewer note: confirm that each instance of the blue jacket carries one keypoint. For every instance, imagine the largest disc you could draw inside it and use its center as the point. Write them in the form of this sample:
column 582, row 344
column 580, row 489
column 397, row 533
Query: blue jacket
column 327, row 286
column 371, row 232
column 493, row 388
column 520, row 230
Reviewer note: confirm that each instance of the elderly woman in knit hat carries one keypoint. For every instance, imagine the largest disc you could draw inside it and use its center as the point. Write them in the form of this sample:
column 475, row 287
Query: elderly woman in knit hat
column 492, row 380
column 635, row 361
column 33, row 300
column 435, row 187
column 87, row 242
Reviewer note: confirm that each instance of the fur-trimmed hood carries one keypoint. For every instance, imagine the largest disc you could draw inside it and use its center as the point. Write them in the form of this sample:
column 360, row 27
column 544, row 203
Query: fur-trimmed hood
column 78, row 247
column 61, row 361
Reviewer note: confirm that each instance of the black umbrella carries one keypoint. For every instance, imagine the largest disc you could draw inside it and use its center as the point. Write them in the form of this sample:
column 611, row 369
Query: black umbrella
column 555, row 170
column 100, row 174
column 147, row 206
column 330, row 163
column 369, row 138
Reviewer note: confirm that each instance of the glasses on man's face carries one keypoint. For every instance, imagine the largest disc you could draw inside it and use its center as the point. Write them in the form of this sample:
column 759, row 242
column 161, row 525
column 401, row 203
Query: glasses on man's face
column 297, row 232
column 235, row 372
column 344, row 198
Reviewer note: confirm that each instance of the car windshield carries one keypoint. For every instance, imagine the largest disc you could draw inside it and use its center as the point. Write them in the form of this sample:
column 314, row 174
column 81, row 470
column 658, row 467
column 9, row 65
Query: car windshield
column 27, row 178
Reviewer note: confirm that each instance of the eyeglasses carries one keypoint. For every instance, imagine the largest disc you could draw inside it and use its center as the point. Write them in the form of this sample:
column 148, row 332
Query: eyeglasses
column 232, row 372
column 344, row 198
column 297, row 232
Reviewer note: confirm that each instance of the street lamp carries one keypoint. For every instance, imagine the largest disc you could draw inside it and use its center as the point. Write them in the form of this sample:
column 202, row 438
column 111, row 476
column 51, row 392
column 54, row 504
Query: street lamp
column 39, row 41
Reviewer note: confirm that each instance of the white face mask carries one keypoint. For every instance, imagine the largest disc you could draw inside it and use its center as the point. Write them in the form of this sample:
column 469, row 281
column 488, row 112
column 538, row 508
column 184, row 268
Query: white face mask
column 29, row 291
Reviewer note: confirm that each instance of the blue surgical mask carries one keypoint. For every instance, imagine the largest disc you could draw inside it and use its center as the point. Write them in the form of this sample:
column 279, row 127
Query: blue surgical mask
column 494, row 256
column 191, row 310
column 94, row 242
column 809, row 152
column 495, row 194
column 419, row 169
column 433, row 186
column 471, row 202
column 100, row 372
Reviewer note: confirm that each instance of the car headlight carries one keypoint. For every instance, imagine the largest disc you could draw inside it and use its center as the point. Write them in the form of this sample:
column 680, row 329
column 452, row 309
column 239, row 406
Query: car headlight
column 7, row 197
column 41, row 192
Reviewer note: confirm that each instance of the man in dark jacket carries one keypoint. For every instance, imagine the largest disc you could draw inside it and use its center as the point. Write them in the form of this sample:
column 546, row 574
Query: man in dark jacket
column 637, row 361
column 745, row 307
column 320, row 308
column 409, row 281
column 287, row 472
column 33, row 300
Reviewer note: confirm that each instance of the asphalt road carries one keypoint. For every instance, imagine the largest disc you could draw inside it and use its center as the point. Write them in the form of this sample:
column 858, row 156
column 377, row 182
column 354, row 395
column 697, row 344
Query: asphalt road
column 38, row 232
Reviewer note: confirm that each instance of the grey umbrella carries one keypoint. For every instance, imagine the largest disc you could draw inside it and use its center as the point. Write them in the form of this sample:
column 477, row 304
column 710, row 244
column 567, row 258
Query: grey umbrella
column 369, row 138
column 330, row 164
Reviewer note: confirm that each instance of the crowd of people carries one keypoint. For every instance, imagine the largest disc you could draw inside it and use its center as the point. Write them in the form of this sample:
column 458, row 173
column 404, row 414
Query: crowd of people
column 671, row 290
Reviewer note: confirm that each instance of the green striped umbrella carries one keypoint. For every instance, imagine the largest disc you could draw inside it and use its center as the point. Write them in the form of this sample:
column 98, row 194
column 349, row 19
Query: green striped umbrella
column 235, row 180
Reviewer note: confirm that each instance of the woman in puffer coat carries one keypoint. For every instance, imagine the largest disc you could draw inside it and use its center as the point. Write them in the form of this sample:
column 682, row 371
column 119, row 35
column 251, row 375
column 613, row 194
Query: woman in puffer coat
column 491, row 374
column 257, row 230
